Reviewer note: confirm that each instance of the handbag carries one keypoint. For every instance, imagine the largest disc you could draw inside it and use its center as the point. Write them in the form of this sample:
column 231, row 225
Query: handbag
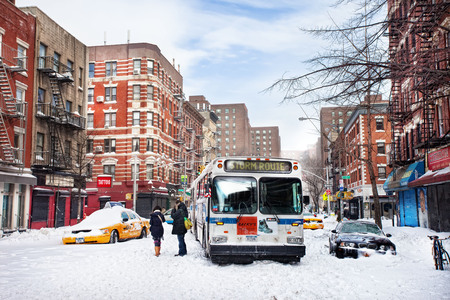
column 187, row 223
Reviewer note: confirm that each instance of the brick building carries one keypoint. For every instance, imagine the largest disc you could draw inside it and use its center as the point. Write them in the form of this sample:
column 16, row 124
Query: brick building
column 233, row 129
column 351, row 145
column 138, row 123
column 58, row 123
column 17, row 32
column 265, row 141
column 419, row 44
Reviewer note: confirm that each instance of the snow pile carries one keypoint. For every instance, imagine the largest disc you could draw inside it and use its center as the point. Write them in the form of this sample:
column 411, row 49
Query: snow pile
column 36, row 265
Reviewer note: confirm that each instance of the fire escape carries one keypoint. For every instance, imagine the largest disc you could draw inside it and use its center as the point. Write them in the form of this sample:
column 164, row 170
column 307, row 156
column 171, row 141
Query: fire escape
column 180, row 135
column 12, row 110
column 59, row 121
column 416, row 62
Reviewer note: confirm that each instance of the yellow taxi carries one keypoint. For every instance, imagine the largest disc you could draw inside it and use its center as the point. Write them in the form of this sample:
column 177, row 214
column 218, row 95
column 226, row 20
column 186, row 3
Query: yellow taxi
column 107, row 225
column 312, row 221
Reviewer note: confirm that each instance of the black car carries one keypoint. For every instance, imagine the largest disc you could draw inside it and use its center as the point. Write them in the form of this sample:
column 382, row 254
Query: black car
column 354, row 238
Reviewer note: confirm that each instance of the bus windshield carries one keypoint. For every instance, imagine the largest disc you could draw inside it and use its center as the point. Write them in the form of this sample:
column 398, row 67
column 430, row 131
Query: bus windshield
column 235, row 195
column 280, row 196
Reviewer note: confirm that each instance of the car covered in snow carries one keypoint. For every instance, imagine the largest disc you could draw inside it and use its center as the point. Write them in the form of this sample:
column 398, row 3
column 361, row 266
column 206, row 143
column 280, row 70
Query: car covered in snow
column 355, row 238
column 312, row 221
column 108, row 225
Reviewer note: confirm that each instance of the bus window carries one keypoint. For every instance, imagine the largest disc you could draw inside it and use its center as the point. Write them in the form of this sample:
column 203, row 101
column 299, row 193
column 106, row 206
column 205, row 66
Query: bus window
column 235, row 195
column 280, row 195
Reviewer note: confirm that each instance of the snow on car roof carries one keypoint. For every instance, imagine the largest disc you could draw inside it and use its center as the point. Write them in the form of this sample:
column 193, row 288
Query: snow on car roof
column 102, row 218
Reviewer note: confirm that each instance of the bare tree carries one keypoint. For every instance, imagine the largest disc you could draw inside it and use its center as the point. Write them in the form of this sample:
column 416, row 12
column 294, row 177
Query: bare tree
column 313, row 178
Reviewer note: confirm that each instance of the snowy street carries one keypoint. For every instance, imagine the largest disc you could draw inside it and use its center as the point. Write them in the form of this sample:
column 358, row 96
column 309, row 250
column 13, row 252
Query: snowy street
column 36, row 265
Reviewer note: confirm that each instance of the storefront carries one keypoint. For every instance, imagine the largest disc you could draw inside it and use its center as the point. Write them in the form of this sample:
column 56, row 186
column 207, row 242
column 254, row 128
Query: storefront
column 407, row 197
column 434, row 191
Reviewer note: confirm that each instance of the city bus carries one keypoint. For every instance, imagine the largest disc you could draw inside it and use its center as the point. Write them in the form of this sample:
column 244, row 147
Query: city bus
column 246, row 209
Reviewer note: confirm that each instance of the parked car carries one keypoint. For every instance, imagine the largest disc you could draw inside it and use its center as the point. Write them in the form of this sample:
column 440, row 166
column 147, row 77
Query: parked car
column 312, row 221
column 354, row 238
column 107, row 225
column 168, row 217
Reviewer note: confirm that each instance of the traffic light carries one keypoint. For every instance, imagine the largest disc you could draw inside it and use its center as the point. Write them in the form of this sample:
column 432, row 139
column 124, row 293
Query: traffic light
column 199, row 169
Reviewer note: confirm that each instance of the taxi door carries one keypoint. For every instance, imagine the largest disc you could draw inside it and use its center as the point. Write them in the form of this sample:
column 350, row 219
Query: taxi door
column 126, row 226
column 135, row 224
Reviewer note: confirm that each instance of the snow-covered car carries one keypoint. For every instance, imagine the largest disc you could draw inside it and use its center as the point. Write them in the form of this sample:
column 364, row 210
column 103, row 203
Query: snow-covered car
column 168, row 217
column 312, row 221
column 107, row 225
column 354, row 238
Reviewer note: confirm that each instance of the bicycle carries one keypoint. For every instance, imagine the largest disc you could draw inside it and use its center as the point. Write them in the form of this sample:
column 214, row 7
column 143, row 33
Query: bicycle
column 440, row 255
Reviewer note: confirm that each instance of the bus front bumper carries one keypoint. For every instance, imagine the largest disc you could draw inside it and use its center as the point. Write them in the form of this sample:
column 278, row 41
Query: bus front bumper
column 259, row 251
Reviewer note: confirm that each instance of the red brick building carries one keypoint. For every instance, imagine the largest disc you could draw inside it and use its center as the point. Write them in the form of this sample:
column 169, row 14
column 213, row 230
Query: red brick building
column 137, row 119
column 17, row 36
column 351, row 145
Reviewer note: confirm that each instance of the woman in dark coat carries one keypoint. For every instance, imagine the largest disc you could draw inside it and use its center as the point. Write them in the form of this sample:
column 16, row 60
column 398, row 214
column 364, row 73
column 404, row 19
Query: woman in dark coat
column 179, row 212
column 156, row 228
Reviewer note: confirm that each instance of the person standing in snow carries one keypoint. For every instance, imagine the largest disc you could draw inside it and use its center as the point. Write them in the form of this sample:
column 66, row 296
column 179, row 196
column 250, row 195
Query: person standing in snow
column 179, row 212
column 156, row 228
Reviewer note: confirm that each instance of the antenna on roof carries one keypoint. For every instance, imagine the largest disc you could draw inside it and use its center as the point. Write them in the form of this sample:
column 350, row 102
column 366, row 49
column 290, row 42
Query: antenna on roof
column 128, row 36
column 104, row 38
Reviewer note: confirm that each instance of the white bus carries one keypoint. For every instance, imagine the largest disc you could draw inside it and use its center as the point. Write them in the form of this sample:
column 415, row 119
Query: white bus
column 249, row 208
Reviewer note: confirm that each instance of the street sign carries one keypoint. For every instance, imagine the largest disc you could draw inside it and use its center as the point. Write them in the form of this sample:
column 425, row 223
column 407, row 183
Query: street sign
column 341, row 188
column 346, row 177
column 184, row 180
column 328, row 192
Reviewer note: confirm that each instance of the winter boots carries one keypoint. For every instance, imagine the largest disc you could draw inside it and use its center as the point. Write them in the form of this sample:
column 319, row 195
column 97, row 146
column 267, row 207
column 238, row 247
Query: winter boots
column 157, row 251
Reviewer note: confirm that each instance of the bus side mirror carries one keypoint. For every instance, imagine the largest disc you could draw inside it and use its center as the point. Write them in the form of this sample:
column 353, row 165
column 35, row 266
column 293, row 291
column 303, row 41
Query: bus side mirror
column 305, row 200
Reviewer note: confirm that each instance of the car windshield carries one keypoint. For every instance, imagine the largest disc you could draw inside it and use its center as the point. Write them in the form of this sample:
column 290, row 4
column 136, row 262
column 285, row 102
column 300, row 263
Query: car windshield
column 361, row 228
column 236, row 195
column 280, row 196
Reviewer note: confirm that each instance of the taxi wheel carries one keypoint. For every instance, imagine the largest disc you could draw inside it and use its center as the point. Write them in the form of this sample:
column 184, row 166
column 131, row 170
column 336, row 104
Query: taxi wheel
column 114, row 237
column 143, row 234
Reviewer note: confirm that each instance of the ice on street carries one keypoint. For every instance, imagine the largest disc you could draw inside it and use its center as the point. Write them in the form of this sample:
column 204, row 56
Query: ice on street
column 36, row 265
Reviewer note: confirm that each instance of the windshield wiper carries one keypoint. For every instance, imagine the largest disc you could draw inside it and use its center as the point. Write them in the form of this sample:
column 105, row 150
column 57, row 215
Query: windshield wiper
column 271, row 211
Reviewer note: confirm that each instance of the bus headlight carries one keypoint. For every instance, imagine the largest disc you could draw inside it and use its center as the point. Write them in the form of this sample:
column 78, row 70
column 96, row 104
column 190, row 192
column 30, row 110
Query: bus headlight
column 219, row 239
column 294, row 240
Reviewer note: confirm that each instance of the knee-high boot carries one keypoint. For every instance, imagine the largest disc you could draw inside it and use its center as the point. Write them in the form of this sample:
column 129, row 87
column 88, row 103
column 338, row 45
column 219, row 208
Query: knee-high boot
column 157, row 250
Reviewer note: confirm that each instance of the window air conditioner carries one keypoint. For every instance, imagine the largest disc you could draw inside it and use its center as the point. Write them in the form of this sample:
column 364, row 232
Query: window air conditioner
column 98, row 149
column 136, row 72
column 100, row 98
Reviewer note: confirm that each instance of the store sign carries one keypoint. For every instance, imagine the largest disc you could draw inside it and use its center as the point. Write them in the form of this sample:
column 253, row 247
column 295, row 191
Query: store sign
column 104, row 181
column 439, row 159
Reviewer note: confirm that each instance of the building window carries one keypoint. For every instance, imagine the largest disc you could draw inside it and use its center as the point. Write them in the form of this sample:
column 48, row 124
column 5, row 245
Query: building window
column 56, row 59
column 149, row 118
column 67, row 148
column 136, row 92
column 21, row 57
column 111, row 69
column 110, row 170
column 382, row 172
column 149, row 92
column 149, row 144
column 20, row 98
column 136, row 66
column 91, row 70
column 381, row 149
column 110, row 94
column 135, row 145
column 149, row 171
column 41, row 100
column 80, row 77
column 110, row 120
column 90, row 120
column 91, row 95
column 90, row 146
column 69, row 106
column 136, row 118
column 380, row 124
column 40, row 146
column 42, row 55
column 110, row 145
column 150, row 66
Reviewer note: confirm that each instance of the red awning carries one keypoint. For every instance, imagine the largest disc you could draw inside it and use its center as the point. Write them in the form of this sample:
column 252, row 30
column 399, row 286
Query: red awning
column 432, row 177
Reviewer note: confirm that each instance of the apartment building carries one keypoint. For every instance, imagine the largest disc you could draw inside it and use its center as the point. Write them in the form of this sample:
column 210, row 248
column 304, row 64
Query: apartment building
column 210, row 146
column 138, row 125
column 419, row 45
column 265, row 141
column 233, row 129
column 17, row 32
column 353, row 151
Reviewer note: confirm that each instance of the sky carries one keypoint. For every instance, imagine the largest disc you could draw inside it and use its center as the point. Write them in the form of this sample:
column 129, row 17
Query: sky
column 36, row 265
column 230, row 51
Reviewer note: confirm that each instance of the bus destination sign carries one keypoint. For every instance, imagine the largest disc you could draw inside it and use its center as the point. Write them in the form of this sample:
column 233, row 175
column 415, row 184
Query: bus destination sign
column 258, row 166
